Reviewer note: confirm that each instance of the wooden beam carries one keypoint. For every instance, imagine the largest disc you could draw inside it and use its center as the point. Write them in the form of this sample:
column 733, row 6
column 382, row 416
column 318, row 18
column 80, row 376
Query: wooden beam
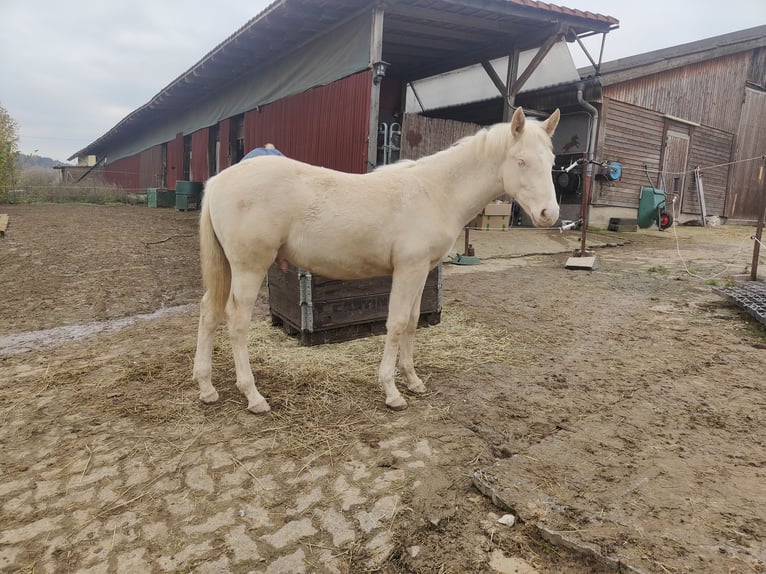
column 509, row 101
column 499, row 84
column 536, row 60
column 376, row 55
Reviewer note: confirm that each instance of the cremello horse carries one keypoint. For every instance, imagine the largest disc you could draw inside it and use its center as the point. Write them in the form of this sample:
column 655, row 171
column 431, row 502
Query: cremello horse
column 401, row 220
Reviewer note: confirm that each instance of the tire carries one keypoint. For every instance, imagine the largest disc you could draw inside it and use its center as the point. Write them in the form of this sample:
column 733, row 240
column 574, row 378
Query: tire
column 665, row 220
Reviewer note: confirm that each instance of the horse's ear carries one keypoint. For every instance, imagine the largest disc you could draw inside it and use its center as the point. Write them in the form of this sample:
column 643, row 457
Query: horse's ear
column 517, row 122
column 550, row 124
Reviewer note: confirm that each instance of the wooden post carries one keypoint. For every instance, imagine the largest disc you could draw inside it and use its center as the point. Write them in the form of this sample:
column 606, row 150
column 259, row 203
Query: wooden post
column 509, row 100
column 701, row 194
column 376, row 55
column 467, row 240
column 761, row 216
column 587, row 184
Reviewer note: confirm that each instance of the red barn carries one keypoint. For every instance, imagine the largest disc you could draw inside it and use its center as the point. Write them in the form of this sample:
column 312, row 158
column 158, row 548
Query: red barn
column 315, row 78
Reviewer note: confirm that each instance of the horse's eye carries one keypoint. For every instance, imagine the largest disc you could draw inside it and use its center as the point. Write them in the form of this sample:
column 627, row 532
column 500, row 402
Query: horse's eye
column 522, row 163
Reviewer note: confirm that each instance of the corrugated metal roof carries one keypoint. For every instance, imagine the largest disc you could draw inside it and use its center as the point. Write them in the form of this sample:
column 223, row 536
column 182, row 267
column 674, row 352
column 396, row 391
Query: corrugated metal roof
column 632, row 67
column 421, row 38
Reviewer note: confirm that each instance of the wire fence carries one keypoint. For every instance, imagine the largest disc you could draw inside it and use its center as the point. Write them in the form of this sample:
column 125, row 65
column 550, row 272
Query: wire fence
column 84, row 192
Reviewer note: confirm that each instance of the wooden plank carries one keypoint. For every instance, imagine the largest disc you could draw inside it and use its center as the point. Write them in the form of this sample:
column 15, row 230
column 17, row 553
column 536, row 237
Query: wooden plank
column 701, row 194
column 351, row 332
column 339, row 310
column 376, row 55
column 3, row 223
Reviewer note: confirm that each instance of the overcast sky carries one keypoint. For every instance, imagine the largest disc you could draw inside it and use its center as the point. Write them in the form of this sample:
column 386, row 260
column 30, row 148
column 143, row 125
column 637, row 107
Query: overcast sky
column 70, row 71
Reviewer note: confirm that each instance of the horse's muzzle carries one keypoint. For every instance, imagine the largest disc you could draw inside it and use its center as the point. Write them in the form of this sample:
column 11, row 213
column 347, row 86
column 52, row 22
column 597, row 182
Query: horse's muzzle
column 546, row 217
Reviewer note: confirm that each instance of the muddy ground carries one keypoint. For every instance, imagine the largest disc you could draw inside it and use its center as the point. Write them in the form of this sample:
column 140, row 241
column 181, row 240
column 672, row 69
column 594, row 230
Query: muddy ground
column 619, row 413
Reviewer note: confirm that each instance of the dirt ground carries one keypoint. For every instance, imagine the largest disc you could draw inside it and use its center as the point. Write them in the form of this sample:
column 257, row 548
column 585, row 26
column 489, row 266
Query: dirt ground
column 619, row 413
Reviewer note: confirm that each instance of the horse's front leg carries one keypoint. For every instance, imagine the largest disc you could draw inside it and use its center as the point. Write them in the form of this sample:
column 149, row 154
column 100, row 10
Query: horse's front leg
column 406, row 288
column 406, row 344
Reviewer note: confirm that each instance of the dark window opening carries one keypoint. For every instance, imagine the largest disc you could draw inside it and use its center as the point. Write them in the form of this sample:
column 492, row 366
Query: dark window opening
column 187, row 158
column 237, row 142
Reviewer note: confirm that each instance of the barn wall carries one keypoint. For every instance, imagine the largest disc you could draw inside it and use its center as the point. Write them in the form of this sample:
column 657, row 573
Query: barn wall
column 175, row 161
column 422, row 136
column 635, row 137
column 150, row 165
column 125, row 173
column 325, row 126
column 708, row 93
column 710, row 150
column 745, row 201
column 632, row 137
column 199, row 159
column 756, row 73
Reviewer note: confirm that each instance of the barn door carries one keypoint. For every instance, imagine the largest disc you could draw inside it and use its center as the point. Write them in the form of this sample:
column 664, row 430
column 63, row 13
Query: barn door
column 675, row 158
column 743, row 201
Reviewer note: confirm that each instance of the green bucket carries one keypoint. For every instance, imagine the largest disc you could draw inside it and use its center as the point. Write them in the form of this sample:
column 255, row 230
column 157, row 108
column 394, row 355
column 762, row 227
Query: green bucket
column 188, row 195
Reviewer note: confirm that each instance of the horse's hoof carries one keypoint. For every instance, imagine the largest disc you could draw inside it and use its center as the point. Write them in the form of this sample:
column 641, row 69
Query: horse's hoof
column 418, row 388
column 259, row 408
column 210, row 397
column 397, row 403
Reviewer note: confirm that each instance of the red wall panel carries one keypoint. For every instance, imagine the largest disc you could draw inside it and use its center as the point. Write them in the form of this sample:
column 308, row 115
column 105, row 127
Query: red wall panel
column 175, row 161
column 151, row 167
column 125, row 173
column 326, row 126
column 199, row 161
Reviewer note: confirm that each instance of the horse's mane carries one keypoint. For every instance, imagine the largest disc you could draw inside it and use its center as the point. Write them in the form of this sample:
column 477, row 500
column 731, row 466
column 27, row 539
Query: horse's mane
column 401, row 164
column 491, row 141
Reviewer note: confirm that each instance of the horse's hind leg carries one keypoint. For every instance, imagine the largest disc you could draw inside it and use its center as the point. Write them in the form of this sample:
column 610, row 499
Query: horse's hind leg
column 406, row 361
column 245, row 285
column 209, row 318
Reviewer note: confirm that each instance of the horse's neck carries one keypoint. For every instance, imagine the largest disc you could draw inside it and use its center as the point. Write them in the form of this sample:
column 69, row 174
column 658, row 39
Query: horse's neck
column 467, row 177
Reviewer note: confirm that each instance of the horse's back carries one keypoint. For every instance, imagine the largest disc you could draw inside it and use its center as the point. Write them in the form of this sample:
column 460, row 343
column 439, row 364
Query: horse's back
column 336, row 224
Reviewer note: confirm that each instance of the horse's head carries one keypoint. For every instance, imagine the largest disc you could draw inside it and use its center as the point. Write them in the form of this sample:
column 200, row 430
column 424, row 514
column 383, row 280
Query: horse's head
column 527, row 168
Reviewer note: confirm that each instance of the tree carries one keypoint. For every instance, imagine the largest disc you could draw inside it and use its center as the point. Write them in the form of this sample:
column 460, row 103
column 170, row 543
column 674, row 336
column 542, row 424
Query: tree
column 9, row 137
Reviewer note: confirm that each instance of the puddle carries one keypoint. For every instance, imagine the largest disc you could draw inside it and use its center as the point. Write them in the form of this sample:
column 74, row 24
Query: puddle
column 24, row 342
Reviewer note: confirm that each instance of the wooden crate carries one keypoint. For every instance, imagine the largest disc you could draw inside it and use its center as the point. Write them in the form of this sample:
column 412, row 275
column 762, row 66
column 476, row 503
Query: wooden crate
column 318, row 310
column 158, row 197
column 622, row 224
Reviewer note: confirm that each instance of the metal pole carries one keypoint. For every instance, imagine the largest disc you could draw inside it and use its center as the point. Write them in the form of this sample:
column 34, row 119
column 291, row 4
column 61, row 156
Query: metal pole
column 761, row 216
column 467, row 231
column 588, row 171
column 584, row 210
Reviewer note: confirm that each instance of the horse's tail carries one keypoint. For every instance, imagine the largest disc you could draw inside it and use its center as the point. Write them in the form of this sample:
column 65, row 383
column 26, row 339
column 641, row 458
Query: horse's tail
column 216, row 271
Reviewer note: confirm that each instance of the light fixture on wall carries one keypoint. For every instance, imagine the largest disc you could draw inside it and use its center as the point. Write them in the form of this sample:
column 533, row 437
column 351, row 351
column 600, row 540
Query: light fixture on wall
column 379, row 71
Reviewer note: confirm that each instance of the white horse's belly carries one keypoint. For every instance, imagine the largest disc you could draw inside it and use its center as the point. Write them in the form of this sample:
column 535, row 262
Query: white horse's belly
column 336, row 261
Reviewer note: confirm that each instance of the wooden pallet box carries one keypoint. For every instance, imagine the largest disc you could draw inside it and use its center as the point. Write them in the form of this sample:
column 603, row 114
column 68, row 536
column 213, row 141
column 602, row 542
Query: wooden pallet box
column 318, row 310
column 159, row 197
column 622, row 224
